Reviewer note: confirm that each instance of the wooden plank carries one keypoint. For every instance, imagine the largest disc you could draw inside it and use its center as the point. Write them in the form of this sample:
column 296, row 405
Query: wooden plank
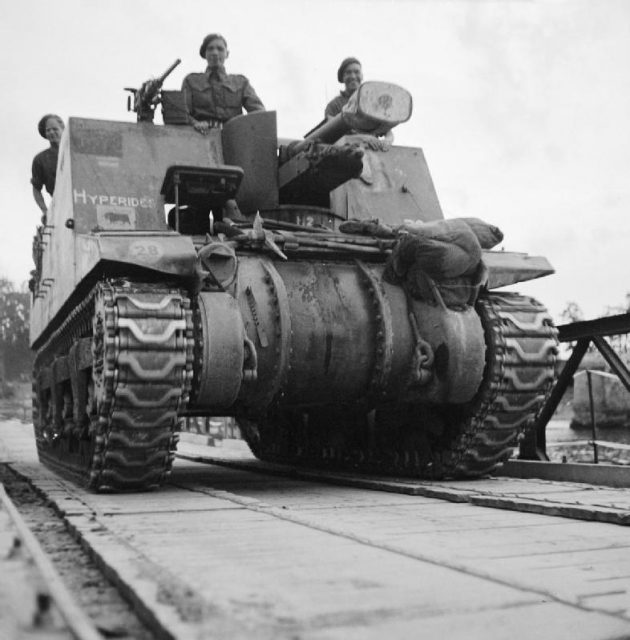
column 597, row 474
column 576, row 511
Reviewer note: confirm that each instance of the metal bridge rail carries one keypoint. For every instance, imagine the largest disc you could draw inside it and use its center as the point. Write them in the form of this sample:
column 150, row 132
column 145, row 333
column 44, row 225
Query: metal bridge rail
column 583, row 333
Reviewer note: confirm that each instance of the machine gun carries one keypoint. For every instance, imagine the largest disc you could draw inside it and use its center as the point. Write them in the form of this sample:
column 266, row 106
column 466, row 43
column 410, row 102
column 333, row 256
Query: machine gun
column 147, row 97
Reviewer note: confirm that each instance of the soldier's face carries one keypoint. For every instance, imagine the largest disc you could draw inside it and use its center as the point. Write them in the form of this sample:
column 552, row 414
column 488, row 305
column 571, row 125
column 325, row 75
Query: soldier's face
column 352, row 76
column 54, row 129
column 216, row 52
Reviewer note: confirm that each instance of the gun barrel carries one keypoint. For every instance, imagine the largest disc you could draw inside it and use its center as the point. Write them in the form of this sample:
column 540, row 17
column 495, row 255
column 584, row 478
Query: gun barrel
column 375, row 107
column 330, row 131
column 169, row 71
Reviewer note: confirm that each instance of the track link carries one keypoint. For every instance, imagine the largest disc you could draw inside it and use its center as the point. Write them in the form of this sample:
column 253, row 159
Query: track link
column 522, row 348
column 140, row 378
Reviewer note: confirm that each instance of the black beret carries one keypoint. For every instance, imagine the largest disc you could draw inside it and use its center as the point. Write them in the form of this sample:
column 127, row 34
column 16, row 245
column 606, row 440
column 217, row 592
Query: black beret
column 41, row 125
column 209, row 38
column 343, row 65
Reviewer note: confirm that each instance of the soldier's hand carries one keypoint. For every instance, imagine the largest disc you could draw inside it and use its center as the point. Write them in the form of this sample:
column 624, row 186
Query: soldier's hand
column 376, row 144
column 202, row 126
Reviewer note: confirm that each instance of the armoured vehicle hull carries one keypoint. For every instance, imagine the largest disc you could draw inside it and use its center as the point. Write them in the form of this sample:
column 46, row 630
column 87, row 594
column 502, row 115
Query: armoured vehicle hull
column 290, row 325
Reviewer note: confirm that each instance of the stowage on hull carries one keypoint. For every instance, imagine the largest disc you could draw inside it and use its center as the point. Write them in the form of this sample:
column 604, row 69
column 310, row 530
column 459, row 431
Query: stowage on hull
column 285, row 285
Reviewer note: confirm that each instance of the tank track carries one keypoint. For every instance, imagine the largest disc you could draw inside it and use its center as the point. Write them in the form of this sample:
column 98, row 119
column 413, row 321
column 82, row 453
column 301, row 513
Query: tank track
column 141, row 371
column 433, row 442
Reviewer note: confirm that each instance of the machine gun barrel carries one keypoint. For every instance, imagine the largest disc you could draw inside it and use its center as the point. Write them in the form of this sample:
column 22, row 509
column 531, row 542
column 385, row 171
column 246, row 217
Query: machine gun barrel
column 168, row 72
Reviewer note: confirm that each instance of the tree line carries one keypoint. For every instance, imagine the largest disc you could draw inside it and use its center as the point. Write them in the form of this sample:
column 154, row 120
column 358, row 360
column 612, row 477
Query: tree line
column 15, row 355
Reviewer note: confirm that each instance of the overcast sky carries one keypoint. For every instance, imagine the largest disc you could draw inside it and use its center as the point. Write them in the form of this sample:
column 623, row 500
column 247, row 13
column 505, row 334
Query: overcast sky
column 522, row 107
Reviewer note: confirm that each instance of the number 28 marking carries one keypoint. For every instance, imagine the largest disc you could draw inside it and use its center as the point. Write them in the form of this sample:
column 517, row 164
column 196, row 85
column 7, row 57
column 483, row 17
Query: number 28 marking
column 145, row 251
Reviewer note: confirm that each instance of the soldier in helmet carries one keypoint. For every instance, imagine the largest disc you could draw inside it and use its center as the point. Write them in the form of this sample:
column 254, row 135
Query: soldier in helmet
column 44, row 169
column 214, row 96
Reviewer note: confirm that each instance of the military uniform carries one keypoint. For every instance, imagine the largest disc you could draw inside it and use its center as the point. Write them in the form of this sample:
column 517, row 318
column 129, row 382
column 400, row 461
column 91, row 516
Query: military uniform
column 44, row 170
column 216, row 97
column 336, row 104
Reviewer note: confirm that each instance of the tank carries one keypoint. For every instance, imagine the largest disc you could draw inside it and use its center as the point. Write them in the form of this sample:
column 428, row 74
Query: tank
column 236, row 274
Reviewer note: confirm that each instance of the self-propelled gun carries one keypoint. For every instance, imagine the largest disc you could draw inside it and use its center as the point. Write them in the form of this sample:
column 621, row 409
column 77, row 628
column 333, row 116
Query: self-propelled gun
column 312, row 289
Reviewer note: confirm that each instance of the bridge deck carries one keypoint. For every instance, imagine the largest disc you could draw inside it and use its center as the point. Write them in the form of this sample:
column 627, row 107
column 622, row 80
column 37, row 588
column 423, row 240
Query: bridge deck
column 224, row 552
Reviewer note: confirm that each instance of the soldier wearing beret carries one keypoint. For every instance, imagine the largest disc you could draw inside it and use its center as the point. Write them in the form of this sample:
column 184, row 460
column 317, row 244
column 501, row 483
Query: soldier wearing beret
column 44, row 169
column 351, row 75
column 214, row 97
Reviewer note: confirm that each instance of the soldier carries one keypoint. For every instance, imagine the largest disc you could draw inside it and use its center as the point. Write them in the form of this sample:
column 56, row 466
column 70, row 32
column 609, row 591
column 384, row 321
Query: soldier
column 351, row 75
column 214, row 97
column 44, row 170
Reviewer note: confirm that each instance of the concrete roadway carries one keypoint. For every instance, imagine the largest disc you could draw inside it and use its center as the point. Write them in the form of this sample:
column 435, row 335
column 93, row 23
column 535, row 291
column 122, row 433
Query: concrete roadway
column 223, row 553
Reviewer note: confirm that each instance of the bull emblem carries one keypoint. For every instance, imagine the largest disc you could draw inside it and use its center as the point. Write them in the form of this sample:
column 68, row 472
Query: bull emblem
column 117, row 218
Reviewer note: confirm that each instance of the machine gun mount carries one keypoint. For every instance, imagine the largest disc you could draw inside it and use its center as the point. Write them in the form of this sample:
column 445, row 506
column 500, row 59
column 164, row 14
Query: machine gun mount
column 147, row 97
